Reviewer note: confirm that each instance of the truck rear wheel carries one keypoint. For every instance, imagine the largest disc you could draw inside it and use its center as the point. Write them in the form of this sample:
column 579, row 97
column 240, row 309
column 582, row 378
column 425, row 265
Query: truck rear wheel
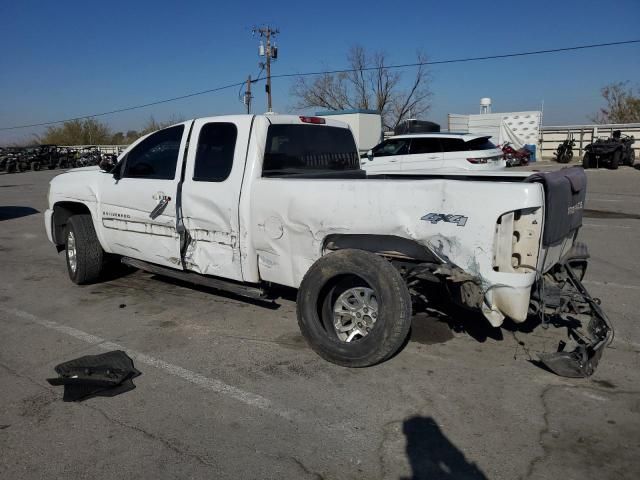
column 85, row 257
column 354, row 308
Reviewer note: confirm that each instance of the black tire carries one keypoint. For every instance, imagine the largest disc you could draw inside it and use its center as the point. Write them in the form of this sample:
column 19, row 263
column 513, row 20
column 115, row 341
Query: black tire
column 632, row 158
column 615, row 160
column 336, row 273
column 586, row 161
column 89, row 256
column 35, row 166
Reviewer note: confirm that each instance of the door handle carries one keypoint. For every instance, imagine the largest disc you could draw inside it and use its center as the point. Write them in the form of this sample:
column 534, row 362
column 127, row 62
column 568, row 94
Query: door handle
column 162, row 204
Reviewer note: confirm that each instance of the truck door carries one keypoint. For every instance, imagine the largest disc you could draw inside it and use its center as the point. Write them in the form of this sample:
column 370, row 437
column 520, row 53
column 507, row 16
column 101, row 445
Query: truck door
column 211, row 195
column 138, row 210
column 424, row 154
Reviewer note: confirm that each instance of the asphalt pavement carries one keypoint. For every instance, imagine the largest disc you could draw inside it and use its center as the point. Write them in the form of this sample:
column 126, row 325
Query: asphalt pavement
column 229, row 388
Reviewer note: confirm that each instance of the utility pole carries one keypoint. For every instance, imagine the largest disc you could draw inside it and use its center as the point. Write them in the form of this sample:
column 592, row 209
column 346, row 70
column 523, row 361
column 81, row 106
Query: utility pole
column 247, row 95
column 269, row 51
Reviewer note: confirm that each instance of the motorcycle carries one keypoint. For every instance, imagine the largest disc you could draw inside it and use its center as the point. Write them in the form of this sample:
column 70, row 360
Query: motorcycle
column 515, row 158
column 564, row 153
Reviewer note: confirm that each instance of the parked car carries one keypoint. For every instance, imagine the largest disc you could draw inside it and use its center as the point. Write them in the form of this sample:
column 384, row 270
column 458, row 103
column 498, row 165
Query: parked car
column 427, row 152
column 242, row 203
column 611, row 152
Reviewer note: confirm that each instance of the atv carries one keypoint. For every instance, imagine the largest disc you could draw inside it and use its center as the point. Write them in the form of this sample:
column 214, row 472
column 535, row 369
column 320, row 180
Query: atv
column 47, row 155
column 612, row 152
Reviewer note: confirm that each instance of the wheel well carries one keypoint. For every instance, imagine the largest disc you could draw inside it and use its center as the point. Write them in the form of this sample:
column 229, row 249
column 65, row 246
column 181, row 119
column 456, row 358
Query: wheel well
column 386, row 245
column 62, row 211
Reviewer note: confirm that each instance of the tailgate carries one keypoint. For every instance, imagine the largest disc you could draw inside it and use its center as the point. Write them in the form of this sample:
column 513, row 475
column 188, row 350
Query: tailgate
column 564, row 193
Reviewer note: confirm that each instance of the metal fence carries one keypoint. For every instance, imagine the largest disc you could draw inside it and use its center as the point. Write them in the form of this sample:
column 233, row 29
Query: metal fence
column 552, row 136
column 115, row 149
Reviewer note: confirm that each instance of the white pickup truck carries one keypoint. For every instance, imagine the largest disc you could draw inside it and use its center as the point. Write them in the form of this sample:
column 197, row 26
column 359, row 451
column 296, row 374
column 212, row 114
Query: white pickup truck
column 242, row 203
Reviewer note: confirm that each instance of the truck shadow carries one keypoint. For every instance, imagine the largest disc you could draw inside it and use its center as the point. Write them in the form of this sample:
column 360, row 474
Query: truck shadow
column 10, row 212
column 433, row 456
column 267, row 303
column 439, row 320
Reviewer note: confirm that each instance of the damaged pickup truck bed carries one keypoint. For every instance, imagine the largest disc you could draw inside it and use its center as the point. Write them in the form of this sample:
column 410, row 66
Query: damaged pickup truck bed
column 242, row 203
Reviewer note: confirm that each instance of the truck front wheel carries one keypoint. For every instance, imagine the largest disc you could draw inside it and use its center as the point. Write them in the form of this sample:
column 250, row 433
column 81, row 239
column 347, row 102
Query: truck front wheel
column 85, row 257
column 354, row 308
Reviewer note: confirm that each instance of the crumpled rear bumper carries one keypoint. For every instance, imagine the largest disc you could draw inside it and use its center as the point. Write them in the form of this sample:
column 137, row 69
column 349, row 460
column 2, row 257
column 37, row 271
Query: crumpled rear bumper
column 574, row 306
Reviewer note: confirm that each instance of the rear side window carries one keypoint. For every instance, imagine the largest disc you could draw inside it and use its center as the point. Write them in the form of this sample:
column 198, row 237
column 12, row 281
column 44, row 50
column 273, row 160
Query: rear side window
column 394, row 146
column 309, row 148
column 480, row 144
column 156, row 156
column 453, row 145
column 214, row 157
column 425, row 145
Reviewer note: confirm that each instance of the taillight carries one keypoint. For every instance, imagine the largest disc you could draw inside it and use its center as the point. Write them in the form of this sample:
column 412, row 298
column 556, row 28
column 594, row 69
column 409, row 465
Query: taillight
column 476, row 161
column 314, row 120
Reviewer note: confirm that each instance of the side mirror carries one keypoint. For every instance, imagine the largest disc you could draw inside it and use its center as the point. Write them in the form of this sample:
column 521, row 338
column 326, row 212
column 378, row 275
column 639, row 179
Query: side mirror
column 117, row 171
column 370, row 154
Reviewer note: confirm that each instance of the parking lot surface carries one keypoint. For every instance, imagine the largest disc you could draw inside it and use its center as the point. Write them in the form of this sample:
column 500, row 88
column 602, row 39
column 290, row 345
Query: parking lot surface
column 229, row 388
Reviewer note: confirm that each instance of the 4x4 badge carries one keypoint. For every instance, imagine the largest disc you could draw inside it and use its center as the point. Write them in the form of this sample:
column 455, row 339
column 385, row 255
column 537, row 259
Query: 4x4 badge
column 434, row 218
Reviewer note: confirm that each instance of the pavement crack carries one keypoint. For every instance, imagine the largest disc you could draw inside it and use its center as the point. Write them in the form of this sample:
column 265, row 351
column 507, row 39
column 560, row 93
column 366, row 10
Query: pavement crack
column 152, row 436
column 543, row 431
column 305, row 469
column 155, row 437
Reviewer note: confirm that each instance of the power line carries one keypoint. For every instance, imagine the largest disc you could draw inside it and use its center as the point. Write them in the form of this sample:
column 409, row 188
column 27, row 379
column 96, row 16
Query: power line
column 126, row 109
column 328, row 72
column 459, row 60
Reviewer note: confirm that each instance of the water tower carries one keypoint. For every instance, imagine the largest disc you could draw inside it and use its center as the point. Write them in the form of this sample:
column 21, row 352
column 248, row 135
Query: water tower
column 485, row 105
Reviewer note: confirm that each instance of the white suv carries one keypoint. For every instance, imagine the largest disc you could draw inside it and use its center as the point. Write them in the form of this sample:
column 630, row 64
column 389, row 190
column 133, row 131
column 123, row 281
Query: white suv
column 425, row 152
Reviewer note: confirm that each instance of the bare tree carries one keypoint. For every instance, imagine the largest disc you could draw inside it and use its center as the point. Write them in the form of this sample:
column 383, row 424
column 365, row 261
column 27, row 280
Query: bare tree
column 371, row 85
column 152, row 124
column 623, row 105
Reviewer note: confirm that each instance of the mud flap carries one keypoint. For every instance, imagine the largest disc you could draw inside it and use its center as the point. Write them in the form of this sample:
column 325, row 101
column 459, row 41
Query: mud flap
column 583, row 360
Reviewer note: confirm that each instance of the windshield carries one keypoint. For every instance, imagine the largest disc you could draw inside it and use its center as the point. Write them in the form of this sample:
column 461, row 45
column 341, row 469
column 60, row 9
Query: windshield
column 294, row 149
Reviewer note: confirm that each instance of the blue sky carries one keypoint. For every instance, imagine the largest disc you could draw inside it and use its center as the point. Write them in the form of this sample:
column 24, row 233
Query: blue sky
column 62, row 59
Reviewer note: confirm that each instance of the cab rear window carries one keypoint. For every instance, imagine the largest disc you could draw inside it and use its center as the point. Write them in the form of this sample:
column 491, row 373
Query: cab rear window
column 293, row 149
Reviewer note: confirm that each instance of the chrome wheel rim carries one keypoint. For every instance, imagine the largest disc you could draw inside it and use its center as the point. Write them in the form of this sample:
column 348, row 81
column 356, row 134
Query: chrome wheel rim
column 354, row 313
column 71, row 252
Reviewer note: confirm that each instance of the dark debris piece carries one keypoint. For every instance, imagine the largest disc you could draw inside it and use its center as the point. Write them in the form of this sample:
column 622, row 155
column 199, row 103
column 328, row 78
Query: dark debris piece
column 105, row 375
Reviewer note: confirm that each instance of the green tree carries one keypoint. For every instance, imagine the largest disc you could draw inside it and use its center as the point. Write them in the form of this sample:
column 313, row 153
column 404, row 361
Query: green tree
column 77, row 132
column 622, row 104
column 118, row 138
column 131, row 135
